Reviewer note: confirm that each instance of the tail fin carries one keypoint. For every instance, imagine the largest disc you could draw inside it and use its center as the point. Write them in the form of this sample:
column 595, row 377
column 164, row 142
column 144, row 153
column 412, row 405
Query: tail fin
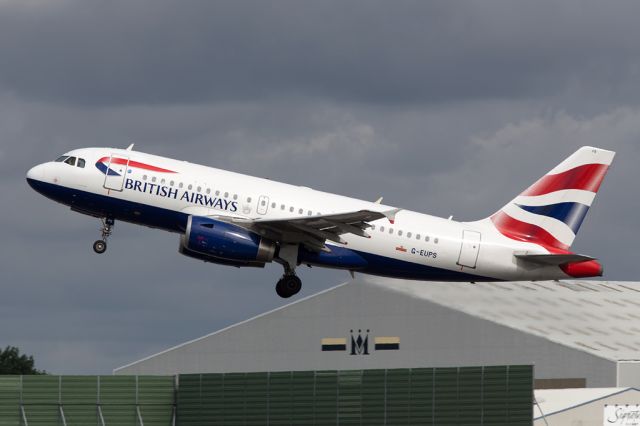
column 549, row 213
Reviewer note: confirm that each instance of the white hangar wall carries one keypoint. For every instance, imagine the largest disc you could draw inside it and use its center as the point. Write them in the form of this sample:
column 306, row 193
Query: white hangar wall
column 431, row 324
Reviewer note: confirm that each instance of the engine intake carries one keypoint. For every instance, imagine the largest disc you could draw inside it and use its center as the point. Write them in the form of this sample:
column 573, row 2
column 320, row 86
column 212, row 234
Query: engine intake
column 225, row 243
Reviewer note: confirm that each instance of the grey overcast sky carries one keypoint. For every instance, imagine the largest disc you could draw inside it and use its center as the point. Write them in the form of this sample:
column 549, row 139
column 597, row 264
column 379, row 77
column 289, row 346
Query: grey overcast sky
column 442, row 107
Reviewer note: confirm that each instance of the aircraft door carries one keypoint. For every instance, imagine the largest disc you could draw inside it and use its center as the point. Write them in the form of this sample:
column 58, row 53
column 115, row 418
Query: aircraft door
column 263, row 204
column 116, row 172
column 469, row 249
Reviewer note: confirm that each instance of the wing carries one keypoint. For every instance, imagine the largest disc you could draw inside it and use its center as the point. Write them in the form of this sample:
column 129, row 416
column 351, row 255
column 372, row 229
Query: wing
column 313, row 231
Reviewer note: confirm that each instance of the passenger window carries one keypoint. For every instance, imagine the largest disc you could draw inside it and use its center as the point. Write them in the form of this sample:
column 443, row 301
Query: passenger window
column 300, row 211
column 373, row 227
column 217, row 192
column 162, row 182
column 426, row 238
column 273, row 205
column 181, row 185
column 188, row 187
column 208, row 190
column 408, row 234
column 199, row 189
column 235, row 196
column 400, row 233
column 153, row 179
column 391, row 230
column 291, row 209
column 171, row 183
column 281, row 206
column 382, row 229
column 248, row 199
column 417, row 236
column 226, row 195
column 71, row 161
column 80, row 163
column 61, row 158
column 263, row 203
column 145, row 178
column 435, row 240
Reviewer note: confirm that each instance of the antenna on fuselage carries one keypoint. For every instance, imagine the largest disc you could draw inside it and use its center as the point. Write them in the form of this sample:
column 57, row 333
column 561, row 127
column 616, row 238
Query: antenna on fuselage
column 130, row 147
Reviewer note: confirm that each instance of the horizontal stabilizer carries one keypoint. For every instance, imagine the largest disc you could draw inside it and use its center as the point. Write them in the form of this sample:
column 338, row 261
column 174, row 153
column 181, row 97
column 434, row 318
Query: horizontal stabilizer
column 554, row 259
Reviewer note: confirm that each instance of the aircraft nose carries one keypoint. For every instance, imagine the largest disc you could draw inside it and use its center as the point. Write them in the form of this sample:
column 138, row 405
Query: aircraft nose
column 35, row 174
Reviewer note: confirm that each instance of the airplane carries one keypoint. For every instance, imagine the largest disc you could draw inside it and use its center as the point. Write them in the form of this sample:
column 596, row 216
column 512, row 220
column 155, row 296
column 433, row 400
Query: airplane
column 239, row 220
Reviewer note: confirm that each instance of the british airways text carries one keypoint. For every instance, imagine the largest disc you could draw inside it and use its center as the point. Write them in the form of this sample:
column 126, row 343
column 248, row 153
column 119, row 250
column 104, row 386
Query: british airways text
column 188, row 196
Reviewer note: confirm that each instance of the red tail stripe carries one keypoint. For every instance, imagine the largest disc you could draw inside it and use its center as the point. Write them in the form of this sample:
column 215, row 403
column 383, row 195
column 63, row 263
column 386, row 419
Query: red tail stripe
column 522, row 231
column 587, row 177
column 137, row 164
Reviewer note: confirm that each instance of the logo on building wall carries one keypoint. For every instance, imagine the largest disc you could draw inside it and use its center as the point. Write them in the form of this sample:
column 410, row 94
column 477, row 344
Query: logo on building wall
column 359, row 343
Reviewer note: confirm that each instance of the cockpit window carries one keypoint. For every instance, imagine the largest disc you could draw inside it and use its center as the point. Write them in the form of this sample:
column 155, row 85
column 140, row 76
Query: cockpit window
column 61, row 158
column 80, row 162
column 71, row 161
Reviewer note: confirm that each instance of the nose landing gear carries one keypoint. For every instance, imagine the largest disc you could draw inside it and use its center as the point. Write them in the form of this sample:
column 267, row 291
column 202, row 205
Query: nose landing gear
column 100, row 246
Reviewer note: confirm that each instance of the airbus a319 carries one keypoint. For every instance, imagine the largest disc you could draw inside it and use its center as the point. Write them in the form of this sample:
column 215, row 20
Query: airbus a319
column 239, row 220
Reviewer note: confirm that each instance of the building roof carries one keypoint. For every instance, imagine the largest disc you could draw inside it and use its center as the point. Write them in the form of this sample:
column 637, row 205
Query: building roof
column 553, row 401
column 598, row 317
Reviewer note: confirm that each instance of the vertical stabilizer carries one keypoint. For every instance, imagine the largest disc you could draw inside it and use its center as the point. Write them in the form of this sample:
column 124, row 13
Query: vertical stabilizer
column 550, row 211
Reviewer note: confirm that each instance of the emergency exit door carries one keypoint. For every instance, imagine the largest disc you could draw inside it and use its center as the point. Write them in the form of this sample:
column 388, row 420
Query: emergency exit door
column 263, row 204
column 469, row 249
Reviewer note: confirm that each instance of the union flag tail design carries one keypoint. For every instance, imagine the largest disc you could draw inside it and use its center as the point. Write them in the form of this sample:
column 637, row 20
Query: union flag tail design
column 549, row 213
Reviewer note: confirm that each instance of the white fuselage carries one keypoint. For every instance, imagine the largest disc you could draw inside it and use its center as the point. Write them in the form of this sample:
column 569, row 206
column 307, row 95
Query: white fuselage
column 162, row 196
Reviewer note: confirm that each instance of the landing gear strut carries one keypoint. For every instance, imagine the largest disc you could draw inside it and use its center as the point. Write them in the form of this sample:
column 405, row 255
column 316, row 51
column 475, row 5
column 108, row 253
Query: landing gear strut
column 100, row 246
column 289, row 284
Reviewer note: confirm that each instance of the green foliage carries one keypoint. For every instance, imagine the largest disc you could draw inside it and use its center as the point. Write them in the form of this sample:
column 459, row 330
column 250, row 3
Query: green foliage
column 12, row 362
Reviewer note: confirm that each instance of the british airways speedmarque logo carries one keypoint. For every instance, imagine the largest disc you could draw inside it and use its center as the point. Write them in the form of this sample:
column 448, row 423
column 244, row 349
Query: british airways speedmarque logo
column 103, row 165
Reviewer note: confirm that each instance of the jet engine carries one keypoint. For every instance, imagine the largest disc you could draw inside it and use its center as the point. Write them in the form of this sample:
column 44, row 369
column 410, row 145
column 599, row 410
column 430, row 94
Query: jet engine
column 220, row 242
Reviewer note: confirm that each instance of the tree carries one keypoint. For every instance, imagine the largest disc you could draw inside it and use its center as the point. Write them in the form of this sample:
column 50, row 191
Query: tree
column 11, row 362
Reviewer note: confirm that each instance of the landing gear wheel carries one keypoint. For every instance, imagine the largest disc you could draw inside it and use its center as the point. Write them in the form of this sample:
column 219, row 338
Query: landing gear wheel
column 100, row 246
column 288, row 286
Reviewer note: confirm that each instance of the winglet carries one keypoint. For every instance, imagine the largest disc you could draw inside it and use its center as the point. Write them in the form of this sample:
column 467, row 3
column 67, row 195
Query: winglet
column 130, row 147
column 391, row 214
column 378, row 201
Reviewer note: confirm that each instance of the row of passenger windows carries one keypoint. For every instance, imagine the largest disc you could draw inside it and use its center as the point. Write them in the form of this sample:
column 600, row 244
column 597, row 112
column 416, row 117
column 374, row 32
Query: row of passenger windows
column 190, row 187
column 72, row 161
column 292, row 209
column 408, row 234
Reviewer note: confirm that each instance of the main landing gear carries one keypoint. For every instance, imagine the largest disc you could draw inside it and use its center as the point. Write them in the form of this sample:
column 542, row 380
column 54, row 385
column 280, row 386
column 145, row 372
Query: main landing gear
column 100, row 246
column 289, row 284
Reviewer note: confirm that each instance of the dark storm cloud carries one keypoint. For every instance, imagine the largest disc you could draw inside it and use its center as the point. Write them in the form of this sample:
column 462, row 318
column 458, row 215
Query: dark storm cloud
column 441, row 107
column 123, row 52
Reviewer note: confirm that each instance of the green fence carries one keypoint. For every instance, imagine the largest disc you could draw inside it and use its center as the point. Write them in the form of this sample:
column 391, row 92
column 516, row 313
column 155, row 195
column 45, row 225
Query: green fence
column 431, row 396
column 424, row 396
column 87, row 400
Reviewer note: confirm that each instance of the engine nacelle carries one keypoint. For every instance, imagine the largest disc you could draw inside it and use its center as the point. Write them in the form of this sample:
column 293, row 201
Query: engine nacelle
column 221, row 242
